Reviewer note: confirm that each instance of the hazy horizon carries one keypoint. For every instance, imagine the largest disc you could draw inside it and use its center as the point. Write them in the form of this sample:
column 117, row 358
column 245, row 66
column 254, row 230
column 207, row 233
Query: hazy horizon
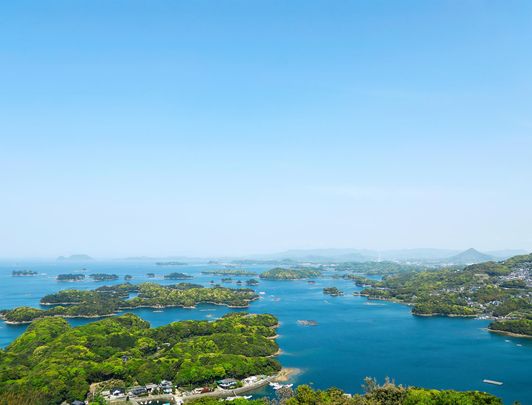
column 266, row 255
column 201, row 129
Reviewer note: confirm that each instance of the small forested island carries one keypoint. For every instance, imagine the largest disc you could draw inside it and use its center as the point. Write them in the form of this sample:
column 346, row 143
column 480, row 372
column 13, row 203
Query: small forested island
column 230, row 272
column 52, row 362
column 103, row 277
column 171, row 264
column 108, row 300
column 252, row 282
column 333, row 291
column 177, row 276
column 227, row 280
column 23, row 273
column 70, row 277
column 150, row 275
column 128, row 277
column 495, row 290
column 296, row 273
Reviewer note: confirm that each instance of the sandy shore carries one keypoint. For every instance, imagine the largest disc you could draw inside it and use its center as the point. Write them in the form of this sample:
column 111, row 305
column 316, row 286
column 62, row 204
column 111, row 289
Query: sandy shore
column 286, row 373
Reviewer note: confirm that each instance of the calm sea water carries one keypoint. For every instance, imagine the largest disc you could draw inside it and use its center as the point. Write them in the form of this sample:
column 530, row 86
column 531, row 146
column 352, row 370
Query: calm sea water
column 354, row 338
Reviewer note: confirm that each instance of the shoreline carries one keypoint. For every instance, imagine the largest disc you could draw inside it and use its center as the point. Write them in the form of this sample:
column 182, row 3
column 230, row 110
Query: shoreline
column 446, row 315
column 116, row 313
column 282, row 376
column 506, row 333
column 286, row 373
column 410, row 304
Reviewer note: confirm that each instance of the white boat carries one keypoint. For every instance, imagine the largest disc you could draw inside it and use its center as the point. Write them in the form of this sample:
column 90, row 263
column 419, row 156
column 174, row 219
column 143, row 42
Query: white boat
column 493, row 382
column 277, row 386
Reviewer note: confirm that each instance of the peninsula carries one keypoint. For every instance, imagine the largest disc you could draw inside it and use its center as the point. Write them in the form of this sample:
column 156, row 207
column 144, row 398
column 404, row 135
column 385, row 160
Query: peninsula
column 501, row 291
column 52, row 362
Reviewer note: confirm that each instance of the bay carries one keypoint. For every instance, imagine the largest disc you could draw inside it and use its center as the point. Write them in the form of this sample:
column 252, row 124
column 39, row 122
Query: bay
column 354, row 337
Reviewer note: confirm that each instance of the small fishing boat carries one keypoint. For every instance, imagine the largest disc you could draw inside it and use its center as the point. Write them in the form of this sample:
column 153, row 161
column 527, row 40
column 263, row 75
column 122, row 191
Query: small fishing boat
column 492, row 382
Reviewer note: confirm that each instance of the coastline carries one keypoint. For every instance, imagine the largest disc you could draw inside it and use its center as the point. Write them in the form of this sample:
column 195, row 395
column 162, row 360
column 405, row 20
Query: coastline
column 445, row 315
column 506, row 333
column 286, row 374
column 120, row 309
column 282, row 376
column 410, row 304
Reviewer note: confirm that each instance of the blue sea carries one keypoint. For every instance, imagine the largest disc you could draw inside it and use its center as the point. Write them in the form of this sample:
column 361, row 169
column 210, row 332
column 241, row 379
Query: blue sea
column 354, row 337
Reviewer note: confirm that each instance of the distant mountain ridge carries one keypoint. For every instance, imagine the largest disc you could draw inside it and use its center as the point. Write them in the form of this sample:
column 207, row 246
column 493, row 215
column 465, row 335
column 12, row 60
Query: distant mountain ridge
column 341, row 255
column 427, row 255
column 75, row 258
column 470, row 256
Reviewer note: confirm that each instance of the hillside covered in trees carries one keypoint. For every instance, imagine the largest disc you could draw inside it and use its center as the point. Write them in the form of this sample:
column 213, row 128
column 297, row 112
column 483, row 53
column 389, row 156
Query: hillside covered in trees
column 497, row 290
column 52, row 362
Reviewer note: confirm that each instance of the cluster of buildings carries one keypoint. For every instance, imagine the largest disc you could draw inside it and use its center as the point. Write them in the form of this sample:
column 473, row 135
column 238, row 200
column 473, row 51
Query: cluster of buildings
column 164, row 387
column 167, row 388
column 524, row 274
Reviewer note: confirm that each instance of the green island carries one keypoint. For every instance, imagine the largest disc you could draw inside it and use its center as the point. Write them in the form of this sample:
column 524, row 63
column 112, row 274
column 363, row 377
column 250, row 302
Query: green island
column 108, row 300
column 128, row 277
column 177, row 276
column 252, row 282
column 230, row 272
column 374, row 394
column 296, row 273
column 501, row 291
column 23, row 273
column 70, row 277
column 333, row 291
column 52, row 362
column 103, row 277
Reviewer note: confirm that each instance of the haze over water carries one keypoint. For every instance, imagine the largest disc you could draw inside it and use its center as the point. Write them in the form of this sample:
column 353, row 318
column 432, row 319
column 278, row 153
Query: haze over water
column 354, row 338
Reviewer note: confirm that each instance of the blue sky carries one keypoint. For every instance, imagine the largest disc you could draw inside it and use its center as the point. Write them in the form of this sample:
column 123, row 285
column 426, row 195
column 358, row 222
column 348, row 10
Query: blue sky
column 232, row 127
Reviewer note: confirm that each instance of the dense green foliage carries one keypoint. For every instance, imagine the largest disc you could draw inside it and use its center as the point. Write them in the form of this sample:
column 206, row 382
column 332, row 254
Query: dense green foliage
column 386, row 394
column 333, row 291
column 517, row 326
column 230, row 272
column 500, row 290
column 280, row 273
column 57, row 362
column 107, row 300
